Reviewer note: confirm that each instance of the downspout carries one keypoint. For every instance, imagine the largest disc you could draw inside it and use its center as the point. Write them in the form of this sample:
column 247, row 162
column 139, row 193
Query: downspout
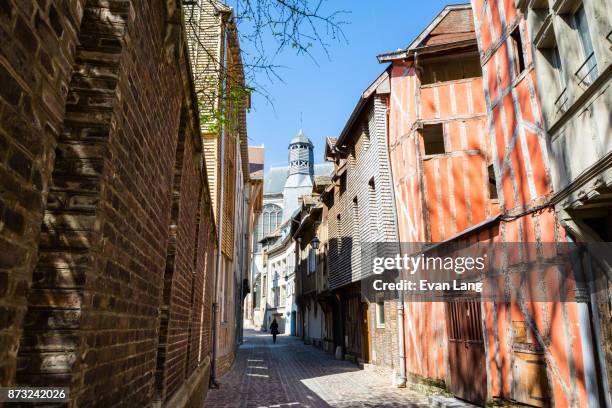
column 401, row 381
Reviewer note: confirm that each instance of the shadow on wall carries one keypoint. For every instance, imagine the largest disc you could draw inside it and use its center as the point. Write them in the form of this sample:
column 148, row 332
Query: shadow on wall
column 342, row 253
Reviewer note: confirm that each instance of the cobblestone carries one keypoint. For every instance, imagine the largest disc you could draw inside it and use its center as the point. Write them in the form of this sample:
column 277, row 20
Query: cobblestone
column 291, row 374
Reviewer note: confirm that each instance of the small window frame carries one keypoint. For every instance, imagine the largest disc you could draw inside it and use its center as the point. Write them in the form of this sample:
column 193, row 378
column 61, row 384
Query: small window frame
column 424, row 136
column 518, row 51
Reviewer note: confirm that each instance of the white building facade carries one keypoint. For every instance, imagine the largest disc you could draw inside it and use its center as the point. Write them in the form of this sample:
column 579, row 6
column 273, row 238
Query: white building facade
column 273, row 267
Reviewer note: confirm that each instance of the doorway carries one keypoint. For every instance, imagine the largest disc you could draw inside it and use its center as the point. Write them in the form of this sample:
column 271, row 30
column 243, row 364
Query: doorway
column 466, row 352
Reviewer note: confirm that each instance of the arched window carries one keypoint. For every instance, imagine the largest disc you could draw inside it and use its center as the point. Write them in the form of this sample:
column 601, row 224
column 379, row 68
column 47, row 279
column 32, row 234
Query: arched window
column 269, row 219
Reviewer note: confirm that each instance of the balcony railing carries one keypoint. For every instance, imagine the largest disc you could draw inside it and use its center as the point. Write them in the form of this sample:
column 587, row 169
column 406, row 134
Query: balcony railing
column 561, row 102
column 587, row 71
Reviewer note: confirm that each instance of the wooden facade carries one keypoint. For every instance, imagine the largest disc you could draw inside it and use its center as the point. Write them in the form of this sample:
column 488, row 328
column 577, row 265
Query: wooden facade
column 219, row 78
column 361, row 215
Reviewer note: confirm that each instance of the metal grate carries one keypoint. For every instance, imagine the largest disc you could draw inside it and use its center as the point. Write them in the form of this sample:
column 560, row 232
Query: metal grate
column 587, row 70
column 464, row 320
column 561, row 102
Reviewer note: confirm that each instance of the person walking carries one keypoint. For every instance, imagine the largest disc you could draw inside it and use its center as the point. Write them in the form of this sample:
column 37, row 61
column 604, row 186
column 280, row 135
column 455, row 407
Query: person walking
column 274, row 329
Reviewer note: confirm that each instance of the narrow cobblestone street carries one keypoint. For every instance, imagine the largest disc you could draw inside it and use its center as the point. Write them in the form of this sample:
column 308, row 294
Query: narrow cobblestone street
column 291, row 374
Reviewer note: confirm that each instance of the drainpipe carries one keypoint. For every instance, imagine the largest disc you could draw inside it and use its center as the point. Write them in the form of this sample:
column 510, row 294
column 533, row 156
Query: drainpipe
column 401, row 381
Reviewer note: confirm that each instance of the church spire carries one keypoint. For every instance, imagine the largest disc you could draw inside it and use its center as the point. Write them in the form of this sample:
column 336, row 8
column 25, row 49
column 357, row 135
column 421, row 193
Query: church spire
column 301, row 156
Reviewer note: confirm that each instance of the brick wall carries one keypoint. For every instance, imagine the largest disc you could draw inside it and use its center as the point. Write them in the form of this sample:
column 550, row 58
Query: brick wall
column 122, row 284
column 37, row 43
column 384, row 340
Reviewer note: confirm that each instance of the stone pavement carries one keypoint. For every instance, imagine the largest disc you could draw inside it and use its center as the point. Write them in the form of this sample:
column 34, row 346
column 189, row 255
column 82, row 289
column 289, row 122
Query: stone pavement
column 291, row 374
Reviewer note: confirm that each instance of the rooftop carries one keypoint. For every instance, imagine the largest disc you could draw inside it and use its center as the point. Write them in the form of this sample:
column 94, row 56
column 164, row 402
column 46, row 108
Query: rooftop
column 275, row 179
column 300, row 138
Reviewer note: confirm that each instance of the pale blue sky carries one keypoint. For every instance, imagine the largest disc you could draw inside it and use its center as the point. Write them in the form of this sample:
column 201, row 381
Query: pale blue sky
column 326, row 94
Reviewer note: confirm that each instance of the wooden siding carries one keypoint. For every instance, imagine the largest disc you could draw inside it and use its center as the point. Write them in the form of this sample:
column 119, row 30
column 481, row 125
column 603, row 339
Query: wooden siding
column 373, row 220
column 457, row 25
column 229, row 197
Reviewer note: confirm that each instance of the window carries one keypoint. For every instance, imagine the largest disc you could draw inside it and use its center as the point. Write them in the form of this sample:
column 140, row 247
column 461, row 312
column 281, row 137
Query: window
column 373, row 207
column 433, row 139
column 264, row 287
column 517, row 50
column 492, row 184
column 588, row 70
column 269, row 219
column 312, row 261
column 554, row 79
column 339, row 233
column 343, row 182
column 226, row 295
column 290, row 264
column 380, row 314
column 561, row 100
column 356, row 221
column 366, row 136
column 465, row 66
column 556, row 64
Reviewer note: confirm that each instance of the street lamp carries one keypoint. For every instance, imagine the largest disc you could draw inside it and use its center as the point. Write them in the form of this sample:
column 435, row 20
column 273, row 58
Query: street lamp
column 315, row 243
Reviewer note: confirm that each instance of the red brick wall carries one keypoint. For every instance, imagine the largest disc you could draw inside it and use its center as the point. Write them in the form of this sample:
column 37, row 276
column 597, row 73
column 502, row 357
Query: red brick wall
column 37, row 43
column 96, row 297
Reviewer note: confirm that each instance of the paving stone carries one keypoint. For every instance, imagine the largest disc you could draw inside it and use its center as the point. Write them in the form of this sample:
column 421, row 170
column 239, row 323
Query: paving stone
column 291, row 374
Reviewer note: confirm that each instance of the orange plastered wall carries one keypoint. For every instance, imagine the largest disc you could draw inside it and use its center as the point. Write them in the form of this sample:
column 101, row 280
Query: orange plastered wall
column 455, row 184
column 457, row 196
column 402, row 112
column 555, row 323
column 404, row 154
column 452, row 98
column 437, row 197
column 551, row 322
column 426, row 341
column 516, row 128
column 518, row 143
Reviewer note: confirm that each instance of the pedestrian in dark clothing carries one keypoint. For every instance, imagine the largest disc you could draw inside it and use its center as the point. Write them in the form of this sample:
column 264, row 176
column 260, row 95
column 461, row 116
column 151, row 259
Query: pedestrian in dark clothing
column 274, row 330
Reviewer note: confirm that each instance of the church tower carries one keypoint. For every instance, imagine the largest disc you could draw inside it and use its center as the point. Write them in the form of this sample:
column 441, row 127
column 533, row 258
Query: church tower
column 301, row 157
column 301, row 172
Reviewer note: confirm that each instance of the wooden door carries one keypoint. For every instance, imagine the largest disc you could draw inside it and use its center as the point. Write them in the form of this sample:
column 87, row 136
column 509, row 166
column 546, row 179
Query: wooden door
column 466, row 356
column 365, row 316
